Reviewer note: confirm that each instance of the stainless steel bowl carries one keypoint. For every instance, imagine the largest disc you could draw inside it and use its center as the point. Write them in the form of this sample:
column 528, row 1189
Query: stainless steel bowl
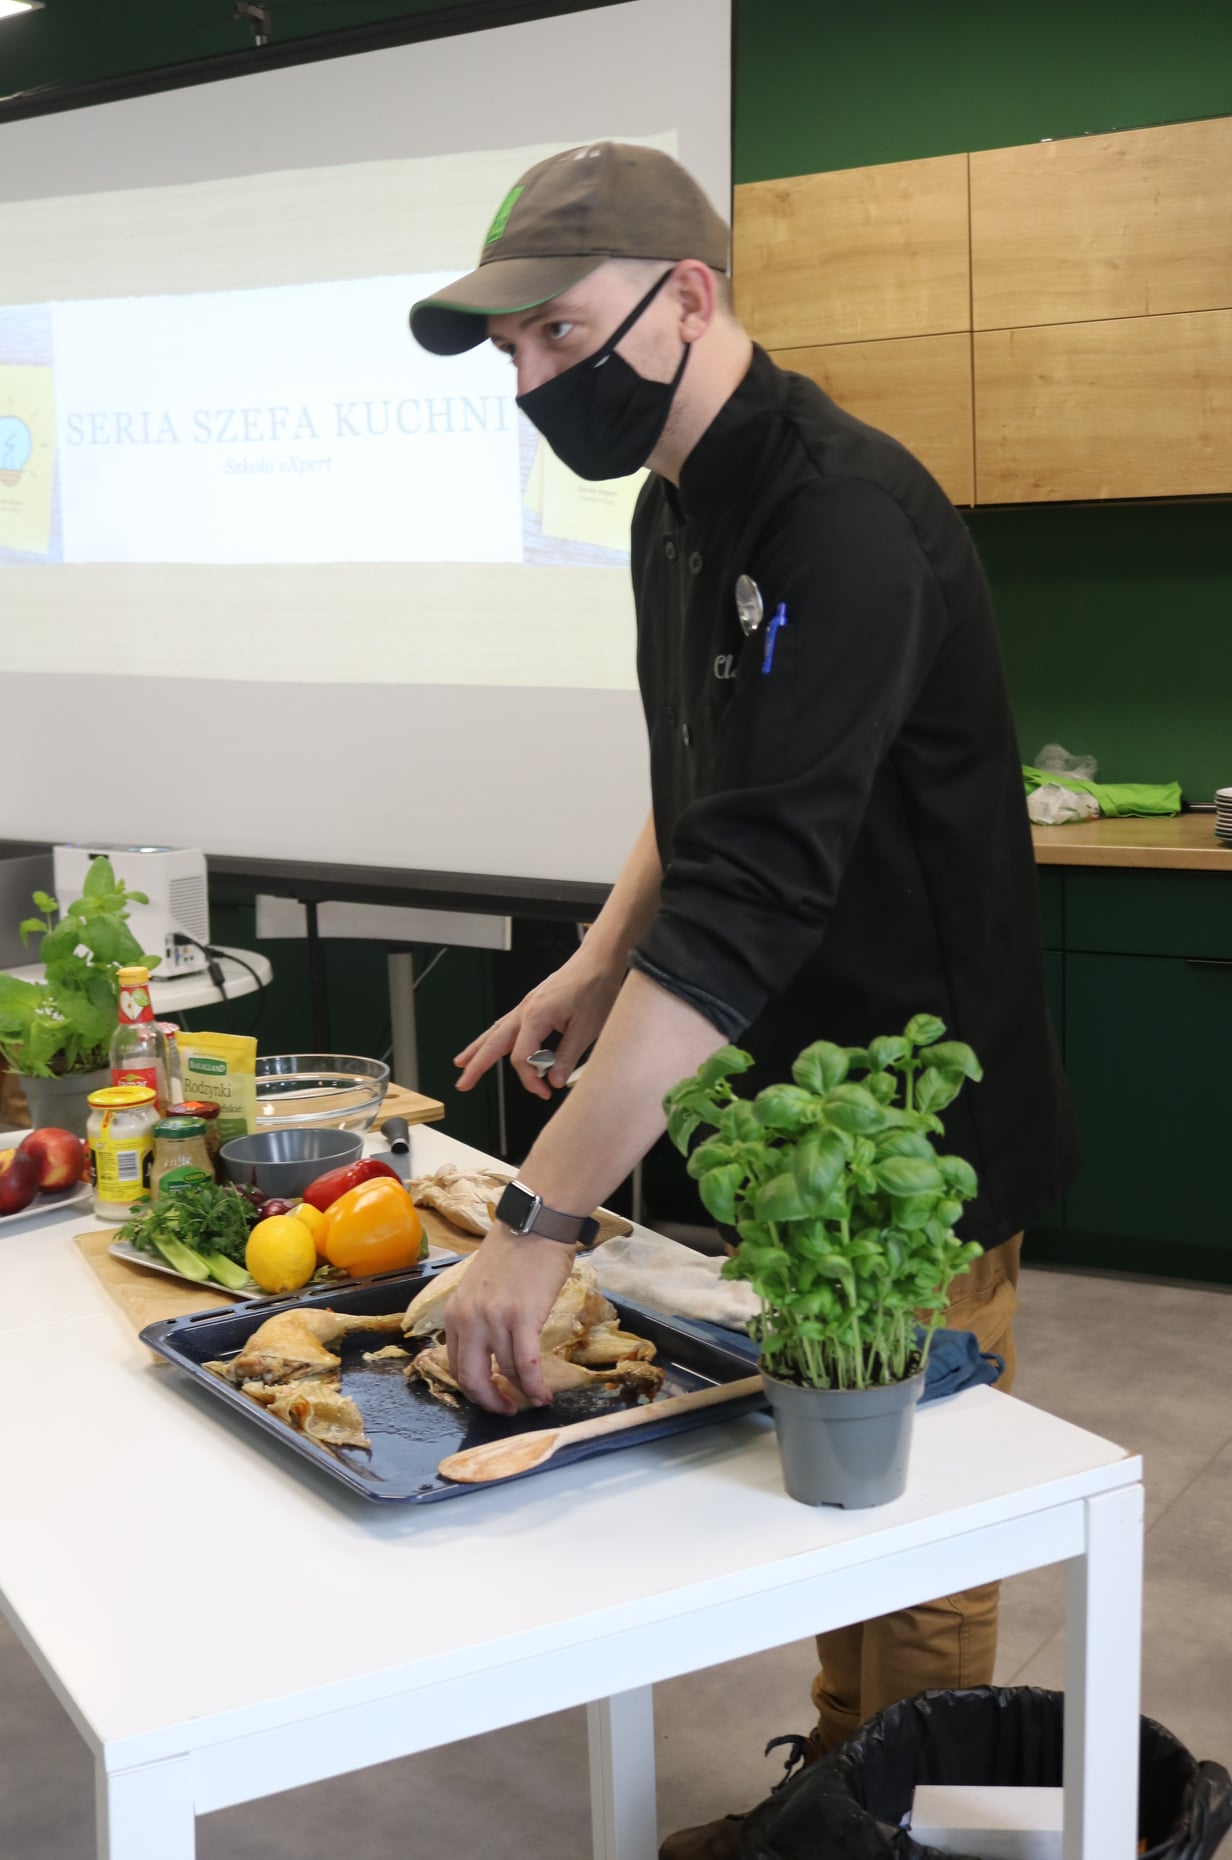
column 303, row 1091
column 284, row 1162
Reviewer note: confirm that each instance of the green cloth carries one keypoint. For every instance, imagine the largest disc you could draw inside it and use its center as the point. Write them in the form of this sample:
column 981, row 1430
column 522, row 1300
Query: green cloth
column 1115, row 798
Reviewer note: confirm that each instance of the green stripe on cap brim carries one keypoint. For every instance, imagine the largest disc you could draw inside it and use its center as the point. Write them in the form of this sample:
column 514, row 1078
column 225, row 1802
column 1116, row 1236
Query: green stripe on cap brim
column 454, row 319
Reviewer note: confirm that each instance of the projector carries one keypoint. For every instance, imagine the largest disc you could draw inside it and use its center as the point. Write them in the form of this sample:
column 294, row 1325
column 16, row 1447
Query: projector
column 172, row 877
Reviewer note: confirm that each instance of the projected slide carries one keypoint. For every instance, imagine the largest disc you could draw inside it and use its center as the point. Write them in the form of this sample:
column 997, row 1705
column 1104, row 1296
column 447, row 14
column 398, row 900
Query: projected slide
column 285, row 425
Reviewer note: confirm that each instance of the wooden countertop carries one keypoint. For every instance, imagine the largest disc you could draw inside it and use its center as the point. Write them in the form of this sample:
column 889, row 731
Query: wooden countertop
column 1177, row 843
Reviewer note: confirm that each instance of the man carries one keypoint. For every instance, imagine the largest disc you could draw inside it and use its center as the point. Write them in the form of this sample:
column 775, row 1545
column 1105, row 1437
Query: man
column 839, row 837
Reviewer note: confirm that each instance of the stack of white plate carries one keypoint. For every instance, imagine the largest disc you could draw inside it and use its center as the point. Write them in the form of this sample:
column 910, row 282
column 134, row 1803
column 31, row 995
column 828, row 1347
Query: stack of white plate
column 1223, row 815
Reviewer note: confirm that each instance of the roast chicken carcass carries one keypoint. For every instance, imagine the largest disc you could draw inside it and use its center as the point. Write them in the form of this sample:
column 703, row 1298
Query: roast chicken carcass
column 581, row 1344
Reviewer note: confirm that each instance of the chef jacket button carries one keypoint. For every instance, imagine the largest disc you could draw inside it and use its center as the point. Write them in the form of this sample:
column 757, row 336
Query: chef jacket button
column 686, row 736
column 695, row 563
column 671, row 713
column 669, row 550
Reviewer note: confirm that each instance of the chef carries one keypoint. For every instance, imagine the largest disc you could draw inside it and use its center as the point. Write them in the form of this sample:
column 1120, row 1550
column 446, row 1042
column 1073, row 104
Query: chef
column 838, row 838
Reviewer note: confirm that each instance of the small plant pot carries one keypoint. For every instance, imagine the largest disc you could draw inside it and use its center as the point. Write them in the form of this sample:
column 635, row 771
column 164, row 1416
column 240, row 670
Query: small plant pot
column 63, row 1103
column 846, row 1447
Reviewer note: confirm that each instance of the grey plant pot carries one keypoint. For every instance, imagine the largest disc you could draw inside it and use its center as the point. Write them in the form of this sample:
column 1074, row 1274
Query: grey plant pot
column 846, row 1447
column 63, row 1103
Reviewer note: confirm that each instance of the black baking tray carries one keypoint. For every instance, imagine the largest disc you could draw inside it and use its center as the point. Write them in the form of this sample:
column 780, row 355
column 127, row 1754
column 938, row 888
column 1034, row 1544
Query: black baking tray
column 410, row 1431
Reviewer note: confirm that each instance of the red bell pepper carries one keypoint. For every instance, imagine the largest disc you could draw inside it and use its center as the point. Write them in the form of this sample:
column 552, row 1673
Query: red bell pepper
column 322, row 1193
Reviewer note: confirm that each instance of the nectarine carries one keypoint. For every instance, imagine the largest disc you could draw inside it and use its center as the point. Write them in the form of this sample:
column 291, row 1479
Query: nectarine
column 18, row 1181
column 57, row 1155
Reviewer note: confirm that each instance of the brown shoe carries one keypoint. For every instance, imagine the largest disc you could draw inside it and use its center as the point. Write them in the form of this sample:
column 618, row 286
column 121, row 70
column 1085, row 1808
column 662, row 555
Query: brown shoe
column 714, row 1840
column 720, row 1840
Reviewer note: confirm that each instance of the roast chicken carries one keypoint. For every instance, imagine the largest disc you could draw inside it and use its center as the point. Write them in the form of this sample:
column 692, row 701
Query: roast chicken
column 286, row 1366
column 581, row 1344
column 292, row 1346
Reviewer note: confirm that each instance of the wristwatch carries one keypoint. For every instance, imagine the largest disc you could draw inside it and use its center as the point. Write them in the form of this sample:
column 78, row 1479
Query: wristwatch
column 523, row 1212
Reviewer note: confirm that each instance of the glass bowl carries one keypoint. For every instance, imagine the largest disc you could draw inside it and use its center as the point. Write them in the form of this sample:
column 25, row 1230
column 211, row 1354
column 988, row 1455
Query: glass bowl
column 333, row 1091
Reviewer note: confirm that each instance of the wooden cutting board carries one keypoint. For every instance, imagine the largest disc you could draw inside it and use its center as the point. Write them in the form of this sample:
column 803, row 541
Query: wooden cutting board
column 442, row 1232
column 144, row 1297
column 399, row 1102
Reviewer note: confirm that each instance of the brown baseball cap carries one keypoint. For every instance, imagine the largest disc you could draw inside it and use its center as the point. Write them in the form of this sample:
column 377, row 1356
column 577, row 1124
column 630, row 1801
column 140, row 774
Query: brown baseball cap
column 561, row 221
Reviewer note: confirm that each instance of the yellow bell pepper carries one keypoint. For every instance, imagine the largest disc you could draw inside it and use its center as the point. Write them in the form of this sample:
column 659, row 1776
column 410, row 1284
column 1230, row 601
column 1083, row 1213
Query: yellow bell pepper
column 373, row 1228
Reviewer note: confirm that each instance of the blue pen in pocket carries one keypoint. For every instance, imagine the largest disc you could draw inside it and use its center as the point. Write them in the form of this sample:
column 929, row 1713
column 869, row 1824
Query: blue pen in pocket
column 772, row 631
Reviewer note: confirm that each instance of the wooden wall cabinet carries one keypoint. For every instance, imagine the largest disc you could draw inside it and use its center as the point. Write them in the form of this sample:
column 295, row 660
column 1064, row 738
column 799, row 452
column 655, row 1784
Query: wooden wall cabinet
column 862, row 280
column 1046, row 323
column 1138, row 407
column 1098, row 227
column 916, row 387
column 855, row 256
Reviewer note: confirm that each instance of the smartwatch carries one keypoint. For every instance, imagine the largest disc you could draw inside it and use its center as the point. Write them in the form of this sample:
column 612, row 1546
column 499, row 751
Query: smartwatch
column 523, row 1212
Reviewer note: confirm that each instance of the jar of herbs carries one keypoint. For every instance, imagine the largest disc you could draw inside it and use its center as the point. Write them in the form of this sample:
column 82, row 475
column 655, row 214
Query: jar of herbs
column 208, row 1111
column 180, row 1155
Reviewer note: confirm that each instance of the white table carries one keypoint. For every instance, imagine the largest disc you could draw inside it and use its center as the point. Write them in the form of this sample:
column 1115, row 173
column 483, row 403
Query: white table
column 175, row 994
column 582, row 1586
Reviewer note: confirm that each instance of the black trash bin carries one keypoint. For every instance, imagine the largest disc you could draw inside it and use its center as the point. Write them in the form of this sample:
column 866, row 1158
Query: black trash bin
column 849, row 1806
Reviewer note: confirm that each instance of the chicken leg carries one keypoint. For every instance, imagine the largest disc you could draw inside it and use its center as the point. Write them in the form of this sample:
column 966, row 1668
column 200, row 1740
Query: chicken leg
column 291, row 1347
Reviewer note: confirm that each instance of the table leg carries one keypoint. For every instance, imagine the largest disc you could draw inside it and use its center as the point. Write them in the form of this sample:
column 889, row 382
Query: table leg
column 146, row 1813
column 1103, row 1642
column 622, row 1776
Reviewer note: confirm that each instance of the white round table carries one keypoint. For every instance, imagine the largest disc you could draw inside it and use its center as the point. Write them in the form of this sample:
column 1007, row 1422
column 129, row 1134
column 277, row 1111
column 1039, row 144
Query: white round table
column 175, row 994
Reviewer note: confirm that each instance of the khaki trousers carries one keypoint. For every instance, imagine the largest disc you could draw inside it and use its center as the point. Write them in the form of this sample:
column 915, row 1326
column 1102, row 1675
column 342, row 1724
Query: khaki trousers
column 951, row 1642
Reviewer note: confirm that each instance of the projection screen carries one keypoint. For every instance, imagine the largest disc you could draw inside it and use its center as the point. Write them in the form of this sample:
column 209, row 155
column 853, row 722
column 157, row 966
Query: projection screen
column 273, row 581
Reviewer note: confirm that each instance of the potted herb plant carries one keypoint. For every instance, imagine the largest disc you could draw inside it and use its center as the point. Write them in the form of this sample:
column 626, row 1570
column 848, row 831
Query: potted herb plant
column 845, row 1217
column 55, row 1034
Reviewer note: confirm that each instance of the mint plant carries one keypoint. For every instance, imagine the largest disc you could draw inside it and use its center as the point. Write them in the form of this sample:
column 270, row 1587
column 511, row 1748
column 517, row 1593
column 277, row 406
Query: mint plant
column 845, row 1211
column 64, row 1023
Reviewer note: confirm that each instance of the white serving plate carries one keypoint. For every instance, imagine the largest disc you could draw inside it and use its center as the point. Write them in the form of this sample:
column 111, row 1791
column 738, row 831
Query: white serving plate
column 124, row 1249
column 46, row 1204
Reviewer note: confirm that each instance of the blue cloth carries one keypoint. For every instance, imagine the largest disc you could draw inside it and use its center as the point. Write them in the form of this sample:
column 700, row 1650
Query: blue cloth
column 955, row 1360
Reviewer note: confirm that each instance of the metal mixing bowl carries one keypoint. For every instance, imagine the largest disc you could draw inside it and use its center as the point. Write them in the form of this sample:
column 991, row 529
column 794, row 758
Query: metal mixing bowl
column 284, row 1162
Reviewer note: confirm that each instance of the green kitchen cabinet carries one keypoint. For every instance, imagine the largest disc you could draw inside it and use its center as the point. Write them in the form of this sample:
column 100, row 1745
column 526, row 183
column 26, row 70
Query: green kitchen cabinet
column 1139, row 972
column 1052, row 906
column 1147, row 1040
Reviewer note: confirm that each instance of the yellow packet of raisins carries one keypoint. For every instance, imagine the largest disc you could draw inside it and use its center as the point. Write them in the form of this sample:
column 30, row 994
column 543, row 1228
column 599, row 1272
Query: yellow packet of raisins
column 221, row 1068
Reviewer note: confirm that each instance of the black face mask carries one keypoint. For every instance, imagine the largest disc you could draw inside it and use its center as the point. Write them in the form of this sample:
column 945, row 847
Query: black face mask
column 600, row 417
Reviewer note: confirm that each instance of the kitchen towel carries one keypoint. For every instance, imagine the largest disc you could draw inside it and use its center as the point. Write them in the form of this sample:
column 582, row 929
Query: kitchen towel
column 1115, row 798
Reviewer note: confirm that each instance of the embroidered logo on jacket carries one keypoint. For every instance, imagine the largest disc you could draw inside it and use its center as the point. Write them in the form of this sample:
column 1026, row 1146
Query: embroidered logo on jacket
column 725, row 665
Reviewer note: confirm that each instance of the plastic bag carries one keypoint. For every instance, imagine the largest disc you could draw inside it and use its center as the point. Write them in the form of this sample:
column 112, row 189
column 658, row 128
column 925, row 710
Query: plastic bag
column 849, row 1806
column 1052, row 805
column 1055, row 759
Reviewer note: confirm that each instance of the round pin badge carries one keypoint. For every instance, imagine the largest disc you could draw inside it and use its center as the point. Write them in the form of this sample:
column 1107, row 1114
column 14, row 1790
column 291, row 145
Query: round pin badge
column 749, row 605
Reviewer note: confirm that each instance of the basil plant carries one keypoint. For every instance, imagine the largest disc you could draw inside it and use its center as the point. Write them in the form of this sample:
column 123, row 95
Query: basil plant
column 845, row 1211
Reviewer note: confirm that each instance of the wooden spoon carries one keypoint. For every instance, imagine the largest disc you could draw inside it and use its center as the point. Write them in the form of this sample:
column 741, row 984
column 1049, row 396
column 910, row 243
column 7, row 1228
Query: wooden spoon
column 501, row 1459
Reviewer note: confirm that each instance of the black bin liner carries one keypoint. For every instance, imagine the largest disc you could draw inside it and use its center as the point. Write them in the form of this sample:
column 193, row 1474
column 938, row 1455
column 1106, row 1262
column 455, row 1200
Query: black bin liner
column 849, row 1805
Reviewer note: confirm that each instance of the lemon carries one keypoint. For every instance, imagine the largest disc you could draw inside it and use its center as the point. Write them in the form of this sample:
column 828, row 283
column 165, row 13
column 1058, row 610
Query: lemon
column 312, row 1218
column 281, row 1254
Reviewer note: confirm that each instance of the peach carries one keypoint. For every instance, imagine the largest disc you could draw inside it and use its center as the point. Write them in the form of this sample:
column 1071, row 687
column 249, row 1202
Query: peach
column 18, row 1181
column 57, row 1155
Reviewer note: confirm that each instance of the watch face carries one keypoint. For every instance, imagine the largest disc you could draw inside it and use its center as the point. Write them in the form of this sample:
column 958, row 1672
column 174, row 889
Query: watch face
column 517, row 1207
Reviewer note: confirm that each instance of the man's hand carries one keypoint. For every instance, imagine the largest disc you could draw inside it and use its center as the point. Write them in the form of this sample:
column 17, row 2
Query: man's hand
column 499, row 1310
column 574, row 1002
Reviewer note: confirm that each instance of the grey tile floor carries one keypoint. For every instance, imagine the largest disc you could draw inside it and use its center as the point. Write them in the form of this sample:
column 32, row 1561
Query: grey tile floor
column 1147, row 1365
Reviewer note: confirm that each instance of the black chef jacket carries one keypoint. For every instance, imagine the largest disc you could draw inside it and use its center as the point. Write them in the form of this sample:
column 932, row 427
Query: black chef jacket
column 844, row 837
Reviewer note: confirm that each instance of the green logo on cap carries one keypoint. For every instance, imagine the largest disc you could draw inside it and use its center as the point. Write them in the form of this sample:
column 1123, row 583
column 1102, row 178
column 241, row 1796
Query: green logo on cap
column 496, row 229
